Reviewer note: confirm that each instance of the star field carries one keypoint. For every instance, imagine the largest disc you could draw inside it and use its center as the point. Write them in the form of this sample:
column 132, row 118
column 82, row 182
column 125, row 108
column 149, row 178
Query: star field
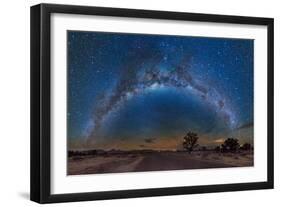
column 126, row 88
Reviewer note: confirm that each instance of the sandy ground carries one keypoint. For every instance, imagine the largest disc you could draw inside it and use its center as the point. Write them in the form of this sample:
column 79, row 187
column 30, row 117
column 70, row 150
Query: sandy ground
column 156, row 161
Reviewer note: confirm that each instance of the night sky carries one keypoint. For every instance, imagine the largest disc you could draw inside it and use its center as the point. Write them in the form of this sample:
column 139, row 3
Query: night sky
column 139, row 91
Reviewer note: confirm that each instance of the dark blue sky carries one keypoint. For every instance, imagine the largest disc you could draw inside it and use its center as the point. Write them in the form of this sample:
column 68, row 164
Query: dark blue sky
column 126, row 88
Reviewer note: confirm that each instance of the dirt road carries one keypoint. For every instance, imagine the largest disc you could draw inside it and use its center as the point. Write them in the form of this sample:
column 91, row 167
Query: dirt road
column 156, row 162
column 167, row 162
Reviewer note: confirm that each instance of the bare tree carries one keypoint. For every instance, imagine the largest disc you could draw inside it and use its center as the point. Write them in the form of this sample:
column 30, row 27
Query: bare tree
column 190, row 141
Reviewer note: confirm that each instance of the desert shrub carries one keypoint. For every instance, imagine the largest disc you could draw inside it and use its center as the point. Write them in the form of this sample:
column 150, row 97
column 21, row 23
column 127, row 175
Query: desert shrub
column 217, row 149
column 230, row 145
column 203, row 148
column 246, row 146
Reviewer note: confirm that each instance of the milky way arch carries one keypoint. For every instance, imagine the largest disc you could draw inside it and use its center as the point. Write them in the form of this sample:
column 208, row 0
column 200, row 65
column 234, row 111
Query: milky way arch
column 133, row 82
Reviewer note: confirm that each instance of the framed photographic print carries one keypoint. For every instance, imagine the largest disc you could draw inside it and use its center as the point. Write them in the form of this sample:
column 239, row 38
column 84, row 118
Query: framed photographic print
column 133, row 103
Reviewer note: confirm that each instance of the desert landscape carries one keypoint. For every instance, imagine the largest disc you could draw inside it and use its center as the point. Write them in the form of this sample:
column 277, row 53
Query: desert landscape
column 115, row 161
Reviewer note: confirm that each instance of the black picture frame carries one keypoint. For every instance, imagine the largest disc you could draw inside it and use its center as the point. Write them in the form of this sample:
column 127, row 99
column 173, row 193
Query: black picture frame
column 41, row 96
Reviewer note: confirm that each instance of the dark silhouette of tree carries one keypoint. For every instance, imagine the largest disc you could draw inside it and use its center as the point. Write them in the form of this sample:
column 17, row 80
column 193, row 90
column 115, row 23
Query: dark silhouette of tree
column 203, row 148
column 217, row 148
column 190, row 141
column 230, row 144
column 224, row 148
column 246, row 146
